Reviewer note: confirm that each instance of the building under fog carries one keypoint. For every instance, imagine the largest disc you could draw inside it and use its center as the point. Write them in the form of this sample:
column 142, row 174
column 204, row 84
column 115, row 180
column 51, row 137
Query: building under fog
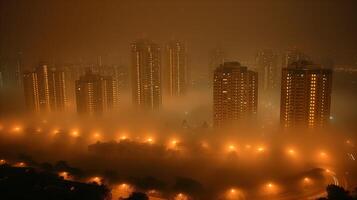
column 146, row 75
column 293, row 55
column 305, row 95
column 94, row 94
column 176, row 72
column 267, row 66
column 44, row 89
column 235, row 94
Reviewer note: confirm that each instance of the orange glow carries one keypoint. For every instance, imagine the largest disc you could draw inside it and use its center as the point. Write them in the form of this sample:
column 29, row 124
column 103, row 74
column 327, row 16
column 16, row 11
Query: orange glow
column 204, row 145
column 75, row 133
column 271, row 188
column 181, row 196
column 122, row 191
column 150, row 140
column 2, row 161
column 231, row 148
column 307, row 180
column 55, row 131
column 97, row 136
column 17, row 129
column 173, row 144
column 20, row 164
column 291, row 152
column 96, row 180
column 260, row 149
column 65, row 175
column 123, row 137
column 234, row 194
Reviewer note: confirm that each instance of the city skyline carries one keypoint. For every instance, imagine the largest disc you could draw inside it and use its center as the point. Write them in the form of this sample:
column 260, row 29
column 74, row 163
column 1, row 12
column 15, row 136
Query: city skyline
column 178, row 100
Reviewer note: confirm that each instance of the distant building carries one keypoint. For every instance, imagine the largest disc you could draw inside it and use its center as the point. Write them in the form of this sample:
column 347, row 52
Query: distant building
column 216, row 58
column 146, row 75
column 267, row 65
column 44, row 89
column 305, row 95
column 120, row 78
column 32, row 100
column 235, row 94
column 11, row 74
column 94, row 94
column 293, row 55
column 176, row 70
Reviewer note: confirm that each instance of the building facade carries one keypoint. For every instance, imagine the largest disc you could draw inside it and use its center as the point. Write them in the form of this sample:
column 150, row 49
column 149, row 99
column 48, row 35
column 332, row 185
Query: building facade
column 45, row 89
column 305, row 95
column 235, row 94
column 146, row 75
column 176, row 71
column 94, row 94
column 267, row 66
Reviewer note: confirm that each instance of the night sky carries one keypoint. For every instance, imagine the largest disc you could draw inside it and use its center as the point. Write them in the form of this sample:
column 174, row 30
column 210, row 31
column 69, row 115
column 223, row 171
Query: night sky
column 67, row 31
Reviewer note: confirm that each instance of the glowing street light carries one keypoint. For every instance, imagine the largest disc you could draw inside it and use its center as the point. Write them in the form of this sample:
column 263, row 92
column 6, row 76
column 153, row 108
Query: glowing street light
column 17, row 129
column 173, row 144
column 65, row 175
column 307, row 181
column 97, row 136
column 150, row 140
column 271, row 188
column 122, row 191
column 55, row 131
column 234, row 194
column 123, row 137
column 231, row 148
column 291, row 152
column 181, row 196
column 75, row 133
column 323, row 155
column 2, row 162
column 96, row 180
column 20, row 164
column 261, row 149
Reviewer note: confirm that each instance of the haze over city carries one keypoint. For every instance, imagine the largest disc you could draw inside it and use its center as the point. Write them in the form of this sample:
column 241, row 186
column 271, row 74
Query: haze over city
column 178, row 100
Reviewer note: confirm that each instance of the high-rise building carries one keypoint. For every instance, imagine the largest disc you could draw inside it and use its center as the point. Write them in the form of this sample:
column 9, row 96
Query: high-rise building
column 44, row 89
column 42, row 73
column 11, row 74
column 94, row 94
column 57, row 90
column 176, row 73
column 31, row 94
column 293, row 55
column 305, row 95
column 146, row 75
column 235, row 94
column 267, row 65
column 120, row 78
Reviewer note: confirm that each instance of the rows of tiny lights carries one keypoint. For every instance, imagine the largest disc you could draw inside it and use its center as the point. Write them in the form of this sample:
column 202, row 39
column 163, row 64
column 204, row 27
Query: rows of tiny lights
column 124, row 190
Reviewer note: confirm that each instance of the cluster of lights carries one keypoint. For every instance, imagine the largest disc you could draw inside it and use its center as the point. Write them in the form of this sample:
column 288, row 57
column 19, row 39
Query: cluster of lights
column 124, row 190
column 173, row 143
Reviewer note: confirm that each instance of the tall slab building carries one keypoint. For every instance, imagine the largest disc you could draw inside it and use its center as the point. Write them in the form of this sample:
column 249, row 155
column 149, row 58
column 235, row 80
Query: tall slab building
column 176, row 73
column 146, row 75
column 94, row 94
column 235, row 94
column 305, row 95
column 267, row 65
column 45, row 89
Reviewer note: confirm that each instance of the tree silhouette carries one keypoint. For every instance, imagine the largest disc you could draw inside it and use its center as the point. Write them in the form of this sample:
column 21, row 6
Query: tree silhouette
column 335, row 192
